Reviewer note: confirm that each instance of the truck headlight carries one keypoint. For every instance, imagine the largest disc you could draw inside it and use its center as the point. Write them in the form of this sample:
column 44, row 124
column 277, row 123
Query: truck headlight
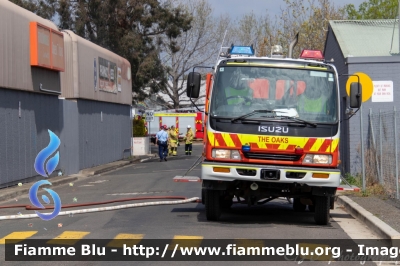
column 318, row 158
column 226, row 154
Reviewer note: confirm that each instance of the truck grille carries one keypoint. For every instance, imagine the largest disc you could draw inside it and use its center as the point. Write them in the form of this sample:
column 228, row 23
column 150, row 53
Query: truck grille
column 269, row 156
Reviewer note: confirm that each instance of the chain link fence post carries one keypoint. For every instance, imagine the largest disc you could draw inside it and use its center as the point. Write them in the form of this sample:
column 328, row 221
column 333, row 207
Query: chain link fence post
column 362, row 150
column 375, row 150
column 382, row 163
column 380, row 143
column 395, row 147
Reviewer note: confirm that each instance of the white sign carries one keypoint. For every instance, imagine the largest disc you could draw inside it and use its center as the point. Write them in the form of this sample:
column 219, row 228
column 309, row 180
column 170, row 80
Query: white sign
column 383, row 91
column 139, row 146
column 132, row 113
column 149, row 115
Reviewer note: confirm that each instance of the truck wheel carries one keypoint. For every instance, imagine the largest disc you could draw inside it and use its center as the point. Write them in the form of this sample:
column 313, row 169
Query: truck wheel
column 213, row 205
column 226, row 204
column 322, row 207
column 332, row 203
column 298, row 206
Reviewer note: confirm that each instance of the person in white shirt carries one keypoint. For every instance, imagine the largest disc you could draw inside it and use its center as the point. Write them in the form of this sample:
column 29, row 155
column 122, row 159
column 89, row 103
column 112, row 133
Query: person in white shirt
column 162, row 142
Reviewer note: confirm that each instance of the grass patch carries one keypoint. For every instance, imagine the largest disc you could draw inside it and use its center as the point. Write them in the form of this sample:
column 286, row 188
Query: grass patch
column 372, row 189
column 352, row 180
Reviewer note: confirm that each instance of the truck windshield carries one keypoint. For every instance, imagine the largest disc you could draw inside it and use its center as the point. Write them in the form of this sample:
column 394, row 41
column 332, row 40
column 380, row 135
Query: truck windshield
column 306, row 94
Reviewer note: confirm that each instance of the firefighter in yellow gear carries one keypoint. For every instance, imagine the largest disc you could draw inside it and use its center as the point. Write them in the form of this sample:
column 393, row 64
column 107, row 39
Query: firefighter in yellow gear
column 173, row 141
column 169, row 145
column 188, row 140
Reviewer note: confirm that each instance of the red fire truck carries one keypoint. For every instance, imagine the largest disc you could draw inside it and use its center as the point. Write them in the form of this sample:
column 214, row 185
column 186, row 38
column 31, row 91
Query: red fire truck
column 180, row 118
column 272, row 128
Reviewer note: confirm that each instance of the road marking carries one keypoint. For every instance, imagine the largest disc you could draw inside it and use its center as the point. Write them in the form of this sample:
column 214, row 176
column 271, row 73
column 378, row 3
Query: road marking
column 138, row 193
column 98, row 182
column 128, row 239
column 169, row 170
column 68, row 238
column 17, row 236
column 180, row 240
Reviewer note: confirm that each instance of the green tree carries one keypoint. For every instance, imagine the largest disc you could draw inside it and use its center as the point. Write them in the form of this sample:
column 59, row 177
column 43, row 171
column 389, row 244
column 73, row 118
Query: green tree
column 132, row 29
column 309, row 18
column 373, row 9
column 64, row 10
column 43, row 8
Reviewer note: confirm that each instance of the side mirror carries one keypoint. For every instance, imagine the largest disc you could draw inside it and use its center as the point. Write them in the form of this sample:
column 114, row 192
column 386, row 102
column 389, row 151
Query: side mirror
column 355, row 94
column 193, row 85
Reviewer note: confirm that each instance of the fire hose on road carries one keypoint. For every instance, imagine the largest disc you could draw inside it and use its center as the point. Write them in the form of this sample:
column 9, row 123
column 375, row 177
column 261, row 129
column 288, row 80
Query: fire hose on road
column 178, row 200
column 165, row 200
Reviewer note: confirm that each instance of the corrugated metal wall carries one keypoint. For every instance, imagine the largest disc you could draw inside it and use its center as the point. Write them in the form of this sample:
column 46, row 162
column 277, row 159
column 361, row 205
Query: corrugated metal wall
column 104, row 132
column 384, row 71
column 86, row 141
column 333, row 51
column 23, row 136
column 377, row 68
column 69, row 148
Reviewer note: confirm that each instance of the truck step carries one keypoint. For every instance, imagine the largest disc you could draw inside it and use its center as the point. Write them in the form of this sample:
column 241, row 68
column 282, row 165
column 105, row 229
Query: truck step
column 348, row 188
column 180, row 178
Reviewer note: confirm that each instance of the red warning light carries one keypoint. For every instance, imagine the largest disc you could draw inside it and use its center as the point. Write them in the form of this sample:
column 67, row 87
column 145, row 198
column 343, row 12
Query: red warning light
column 299, row 151
column 312, row 54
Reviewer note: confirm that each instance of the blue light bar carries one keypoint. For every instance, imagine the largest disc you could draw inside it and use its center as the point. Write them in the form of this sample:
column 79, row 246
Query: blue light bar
column 244, row 50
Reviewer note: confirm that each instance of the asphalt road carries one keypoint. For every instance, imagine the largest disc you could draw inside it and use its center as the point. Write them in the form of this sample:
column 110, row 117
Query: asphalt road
column 275, row 220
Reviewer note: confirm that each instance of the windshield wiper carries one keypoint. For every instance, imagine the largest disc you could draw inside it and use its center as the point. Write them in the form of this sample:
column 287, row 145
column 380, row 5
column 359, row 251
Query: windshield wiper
column 252, row 113
column 298, row 120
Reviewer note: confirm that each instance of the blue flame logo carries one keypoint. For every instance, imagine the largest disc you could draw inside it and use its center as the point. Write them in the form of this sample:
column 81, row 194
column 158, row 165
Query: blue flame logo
column 35, row 201
column 45, row 153
column 40, row 169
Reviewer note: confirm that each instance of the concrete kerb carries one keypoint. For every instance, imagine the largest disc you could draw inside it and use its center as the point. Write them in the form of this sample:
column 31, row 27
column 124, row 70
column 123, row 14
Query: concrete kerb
column 13, row 192
column 101, row 169
column 112, row 166
column 378, row 226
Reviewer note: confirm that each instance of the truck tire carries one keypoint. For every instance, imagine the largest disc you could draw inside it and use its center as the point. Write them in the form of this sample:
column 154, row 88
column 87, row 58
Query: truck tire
column 226, row 204
column 213, row 205
column 322, row 208
column 298, row 206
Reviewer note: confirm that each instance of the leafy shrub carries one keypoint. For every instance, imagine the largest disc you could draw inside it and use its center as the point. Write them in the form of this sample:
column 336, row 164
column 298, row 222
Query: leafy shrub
column 139, row 128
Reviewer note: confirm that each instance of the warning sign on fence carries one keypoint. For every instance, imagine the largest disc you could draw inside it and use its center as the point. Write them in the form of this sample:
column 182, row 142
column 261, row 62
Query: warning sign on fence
column 383, row 91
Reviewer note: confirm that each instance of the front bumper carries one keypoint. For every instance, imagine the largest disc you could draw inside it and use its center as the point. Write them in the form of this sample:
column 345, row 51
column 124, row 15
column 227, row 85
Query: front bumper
column 331, row 176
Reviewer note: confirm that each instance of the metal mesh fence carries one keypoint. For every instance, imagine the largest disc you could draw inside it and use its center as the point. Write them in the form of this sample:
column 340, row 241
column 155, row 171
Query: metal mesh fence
column 381, row 155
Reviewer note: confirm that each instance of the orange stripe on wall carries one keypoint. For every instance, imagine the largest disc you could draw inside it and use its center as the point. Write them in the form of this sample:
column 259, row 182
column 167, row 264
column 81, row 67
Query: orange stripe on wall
column 33, row 43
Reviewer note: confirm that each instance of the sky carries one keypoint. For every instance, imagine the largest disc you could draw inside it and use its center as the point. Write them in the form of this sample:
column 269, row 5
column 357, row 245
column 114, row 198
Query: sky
column 237, row 8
